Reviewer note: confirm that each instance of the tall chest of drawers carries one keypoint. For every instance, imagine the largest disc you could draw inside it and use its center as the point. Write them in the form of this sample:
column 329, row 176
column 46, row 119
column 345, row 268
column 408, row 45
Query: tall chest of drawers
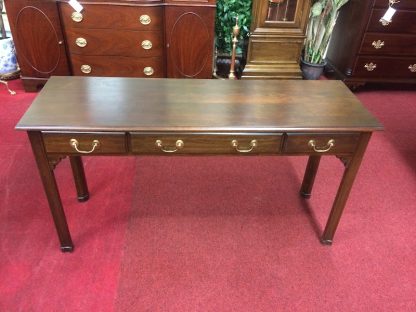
column 365, row 48
column 125, row 38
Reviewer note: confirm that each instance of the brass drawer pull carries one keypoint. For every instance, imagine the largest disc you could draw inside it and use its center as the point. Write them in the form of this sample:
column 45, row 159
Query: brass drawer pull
column 412, row 68
column 74, row 143
column 86, row 69
column 178, row 145
column 81, row 42
column 148, row 71
column 370, row 66
column 145, row 19
column 253, row 144
column 323, row 149
column 378, row 44
column 77, row 17
column 147, row 44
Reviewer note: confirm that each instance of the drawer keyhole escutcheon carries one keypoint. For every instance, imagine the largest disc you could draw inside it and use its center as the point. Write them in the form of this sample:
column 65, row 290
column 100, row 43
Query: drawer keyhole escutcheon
column 412, row 68
column 86, row 69
column 253, row 144
column 370, row 66
column 378, row 44
column 146, row 44
column 75, row 144
column 148, row 71
column 322, row 149
column 77, row 17
column 81, row 42
column 178, row 145
column 145, row 19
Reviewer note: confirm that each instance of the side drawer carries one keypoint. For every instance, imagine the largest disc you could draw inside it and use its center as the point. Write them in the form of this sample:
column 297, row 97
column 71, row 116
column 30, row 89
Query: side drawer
column 115, row 42
column 388, row 44
column 110, row 16
column 85, row 143
column 320, row 143
column 206, row 143
column 385, row 67
column 117, row 66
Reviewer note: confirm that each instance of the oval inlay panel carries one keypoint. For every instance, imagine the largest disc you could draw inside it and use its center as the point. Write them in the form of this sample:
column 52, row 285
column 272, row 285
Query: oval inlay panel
column 41, row 50
column 189, row 42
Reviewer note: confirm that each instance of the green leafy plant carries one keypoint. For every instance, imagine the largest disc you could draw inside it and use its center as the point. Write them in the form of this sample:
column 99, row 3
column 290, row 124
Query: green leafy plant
column 227, row 10
column 322, row 19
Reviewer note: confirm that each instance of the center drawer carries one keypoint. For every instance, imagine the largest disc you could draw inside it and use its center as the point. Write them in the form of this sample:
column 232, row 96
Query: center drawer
column 85, row 143
column 206, row 143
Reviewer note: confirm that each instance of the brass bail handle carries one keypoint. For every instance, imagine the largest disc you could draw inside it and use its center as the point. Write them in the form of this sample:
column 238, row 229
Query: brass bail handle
column 323, row 149
column 178, row 145
column 253, row 144
column 75, row 144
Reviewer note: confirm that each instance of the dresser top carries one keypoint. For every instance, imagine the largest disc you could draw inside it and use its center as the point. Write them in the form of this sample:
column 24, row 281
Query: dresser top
column 139, row 104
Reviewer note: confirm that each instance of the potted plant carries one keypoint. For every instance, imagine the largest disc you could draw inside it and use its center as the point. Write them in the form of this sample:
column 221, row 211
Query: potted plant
column 322, row 19
column 227, row 11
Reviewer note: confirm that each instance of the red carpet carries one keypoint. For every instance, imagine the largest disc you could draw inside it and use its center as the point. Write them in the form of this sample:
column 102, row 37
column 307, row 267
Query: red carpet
column 212, row 234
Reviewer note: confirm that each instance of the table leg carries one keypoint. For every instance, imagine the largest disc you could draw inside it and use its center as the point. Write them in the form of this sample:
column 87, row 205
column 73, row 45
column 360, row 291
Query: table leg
column 79, row 178
column 344, row 189
column 51, row 190
column 310, row 174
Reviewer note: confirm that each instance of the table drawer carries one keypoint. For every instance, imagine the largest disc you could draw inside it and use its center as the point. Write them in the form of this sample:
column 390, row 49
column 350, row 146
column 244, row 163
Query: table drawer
column 85, row 143
column 117, row 66
column 385, row 67
column 241, row 144
column 115, row 42
column 113, row 16
column 320, row 143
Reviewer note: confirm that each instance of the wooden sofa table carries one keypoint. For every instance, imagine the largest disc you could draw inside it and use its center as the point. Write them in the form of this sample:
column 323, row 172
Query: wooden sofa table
column 94, row 116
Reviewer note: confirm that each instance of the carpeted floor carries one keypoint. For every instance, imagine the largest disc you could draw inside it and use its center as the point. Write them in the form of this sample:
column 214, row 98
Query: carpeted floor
column 212, row 233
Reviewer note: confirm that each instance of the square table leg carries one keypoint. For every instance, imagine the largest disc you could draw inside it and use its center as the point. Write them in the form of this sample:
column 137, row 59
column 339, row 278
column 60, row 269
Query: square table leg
column 310, row 174
column 79, row 178
column 51, row 190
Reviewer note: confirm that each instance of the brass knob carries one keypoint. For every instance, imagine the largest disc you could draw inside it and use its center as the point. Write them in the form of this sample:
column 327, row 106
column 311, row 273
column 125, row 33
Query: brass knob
column 81, row 42
column 370, row 66
column 148, row 71
column 147, row 44
column 384, row 22
column 412, row 68
column 86, row 69
column 77, row 17
column 145, row 19
column 378, row 44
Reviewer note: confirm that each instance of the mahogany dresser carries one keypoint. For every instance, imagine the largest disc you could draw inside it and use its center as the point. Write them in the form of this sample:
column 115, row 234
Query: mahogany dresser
column 366, row 48
column 126, row 38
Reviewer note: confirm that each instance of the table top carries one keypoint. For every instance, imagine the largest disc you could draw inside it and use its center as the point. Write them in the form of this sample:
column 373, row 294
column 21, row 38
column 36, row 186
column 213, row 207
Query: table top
column 138, row 104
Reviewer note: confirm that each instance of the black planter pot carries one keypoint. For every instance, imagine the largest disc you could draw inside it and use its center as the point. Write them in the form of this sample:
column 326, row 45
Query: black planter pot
column 311, row 71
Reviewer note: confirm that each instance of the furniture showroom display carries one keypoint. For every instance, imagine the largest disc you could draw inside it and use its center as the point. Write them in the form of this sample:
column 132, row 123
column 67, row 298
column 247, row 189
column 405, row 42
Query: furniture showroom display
column 277, row 33
column 367, row 48
column 94, row 116
column 123, row 38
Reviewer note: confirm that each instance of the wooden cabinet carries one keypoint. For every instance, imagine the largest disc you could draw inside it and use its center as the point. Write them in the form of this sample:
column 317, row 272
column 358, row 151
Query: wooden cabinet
column 277, row 34
column 364, row 48
column 125, row 38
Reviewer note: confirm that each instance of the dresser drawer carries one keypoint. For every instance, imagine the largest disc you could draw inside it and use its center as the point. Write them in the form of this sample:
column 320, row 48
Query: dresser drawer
column 385, row 67
column 241, row 144
column 320, row 143
column 113, row 16
column 402, row 22
column 117, row 66
column 85, row 143
column 115, row 42
column 388, row 44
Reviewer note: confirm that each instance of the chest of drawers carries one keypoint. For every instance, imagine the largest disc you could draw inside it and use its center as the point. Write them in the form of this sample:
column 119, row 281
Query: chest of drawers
column 364, row 48
column 125, row 38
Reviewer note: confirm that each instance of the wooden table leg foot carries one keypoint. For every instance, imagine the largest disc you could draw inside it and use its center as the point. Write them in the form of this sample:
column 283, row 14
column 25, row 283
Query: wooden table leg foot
column 305, row 195
column 67, row 248
column 83, row 198
column 327, row 242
